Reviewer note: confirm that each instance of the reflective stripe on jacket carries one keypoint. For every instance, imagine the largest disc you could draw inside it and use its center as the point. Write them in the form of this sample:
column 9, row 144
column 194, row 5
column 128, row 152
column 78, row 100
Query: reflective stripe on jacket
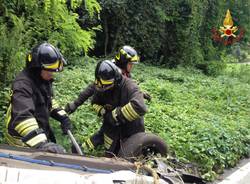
column 130, row 99
column 29, row 110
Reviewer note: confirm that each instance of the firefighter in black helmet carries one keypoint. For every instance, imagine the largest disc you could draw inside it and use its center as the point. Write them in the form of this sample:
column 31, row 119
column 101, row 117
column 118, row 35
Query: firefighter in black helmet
column 27, row 119
column 118, row 100
column 124, row 59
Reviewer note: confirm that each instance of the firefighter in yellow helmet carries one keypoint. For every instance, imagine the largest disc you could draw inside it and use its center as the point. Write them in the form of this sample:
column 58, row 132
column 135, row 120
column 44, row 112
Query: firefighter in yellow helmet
column 126, row 107
column 125, row 59
column 27, row 119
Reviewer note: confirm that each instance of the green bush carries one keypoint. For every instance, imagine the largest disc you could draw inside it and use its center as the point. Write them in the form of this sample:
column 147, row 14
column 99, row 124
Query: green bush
column 24, row 24
column 169, row 33
column 239, row 71
column 203, row 119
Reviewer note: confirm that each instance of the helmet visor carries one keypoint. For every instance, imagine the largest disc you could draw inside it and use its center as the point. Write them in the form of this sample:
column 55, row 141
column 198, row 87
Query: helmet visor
column 104, row 85
column 130, row 58
column 135, row 59
column 54, row 67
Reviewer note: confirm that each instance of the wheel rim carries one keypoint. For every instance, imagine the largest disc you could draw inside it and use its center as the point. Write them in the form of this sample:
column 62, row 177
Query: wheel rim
column 149, row 150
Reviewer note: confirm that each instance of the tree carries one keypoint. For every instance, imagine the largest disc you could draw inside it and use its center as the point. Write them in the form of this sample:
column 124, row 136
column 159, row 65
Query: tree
column 26, row 23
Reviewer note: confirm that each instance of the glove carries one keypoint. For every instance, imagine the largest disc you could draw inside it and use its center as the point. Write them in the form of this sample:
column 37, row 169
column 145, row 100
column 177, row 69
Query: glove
column 61, row 116
column 110, row 119
column 108, row 107
column 51, row 147
column 105, row 109
column 65, row 124
column 114, row 117
column 147, row 96
column 70, row 107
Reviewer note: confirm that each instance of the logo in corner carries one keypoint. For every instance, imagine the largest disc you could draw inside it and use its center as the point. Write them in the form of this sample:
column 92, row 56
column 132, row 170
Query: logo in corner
column 228, row 33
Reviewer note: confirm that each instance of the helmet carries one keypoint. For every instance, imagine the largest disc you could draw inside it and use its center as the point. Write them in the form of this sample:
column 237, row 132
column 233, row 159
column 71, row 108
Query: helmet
column 46, row 57
column 107, row 75
column 126, row 55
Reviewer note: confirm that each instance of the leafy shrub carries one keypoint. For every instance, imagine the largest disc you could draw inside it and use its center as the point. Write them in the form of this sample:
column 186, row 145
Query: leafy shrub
column 239, row 71
column 212, row 68
column 168, row 33
column 26, row 23
column 203, row 119
column 4, row 103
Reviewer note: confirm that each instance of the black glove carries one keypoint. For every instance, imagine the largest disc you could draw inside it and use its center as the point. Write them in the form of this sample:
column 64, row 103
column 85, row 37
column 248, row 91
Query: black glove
column 65, row 124
column 111, row 118
column 51, row 147
column 61, row 115
column 147, row 96
column 70, row 107
column 114, row 117
column 108, row 107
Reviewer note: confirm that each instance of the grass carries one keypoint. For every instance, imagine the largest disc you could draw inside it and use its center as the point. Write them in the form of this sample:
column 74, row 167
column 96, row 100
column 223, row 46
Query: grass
column 204, row 120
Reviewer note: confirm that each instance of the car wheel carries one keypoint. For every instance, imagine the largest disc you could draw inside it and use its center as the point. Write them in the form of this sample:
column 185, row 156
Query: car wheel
column 142, row 144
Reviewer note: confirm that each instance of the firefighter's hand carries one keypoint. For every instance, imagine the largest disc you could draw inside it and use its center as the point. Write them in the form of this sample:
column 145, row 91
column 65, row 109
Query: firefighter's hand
column 147, row 96
column 111, row 118
column 108, row 107
column 102, row 111
column 70, row 107
column 65, row 124
column 105, row 109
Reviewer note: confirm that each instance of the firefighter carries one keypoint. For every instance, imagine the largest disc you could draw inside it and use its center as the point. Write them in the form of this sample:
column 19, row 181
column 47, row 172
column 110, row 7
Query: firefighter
column 124, row 59
column 27, row 118
column 118, row 100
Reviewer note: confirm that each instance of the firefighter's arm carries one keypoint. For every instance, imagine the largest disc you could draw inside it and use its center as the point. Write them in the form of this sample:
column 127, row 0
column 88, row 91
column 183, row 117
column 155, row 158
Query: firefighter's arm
column 83, row 96
column 131, row 111
column 60, row 115
column 23, row 109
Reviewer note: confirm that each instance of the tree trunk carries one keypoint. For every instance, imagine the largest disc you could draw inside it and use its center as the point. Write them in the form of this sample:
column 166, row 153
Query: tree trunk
column 115, row 39
column 106, row 35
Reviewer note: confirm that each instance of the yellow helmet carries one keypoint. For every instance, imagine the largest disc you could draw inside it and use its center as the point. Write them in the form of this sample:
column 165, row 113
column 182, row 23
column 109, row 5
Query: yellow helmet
column 126, row 55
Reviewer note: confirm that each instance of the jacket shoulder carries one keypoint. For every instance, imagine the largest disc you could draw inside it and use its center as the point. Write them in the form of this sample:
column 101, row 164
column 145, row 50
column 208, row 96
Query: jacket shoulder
column 22, row 81
column 130, row 84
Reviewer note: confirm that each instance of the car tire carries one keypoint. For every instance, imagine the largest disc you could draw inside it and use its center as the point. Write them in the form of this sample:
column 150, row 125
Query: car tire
column 142, row 144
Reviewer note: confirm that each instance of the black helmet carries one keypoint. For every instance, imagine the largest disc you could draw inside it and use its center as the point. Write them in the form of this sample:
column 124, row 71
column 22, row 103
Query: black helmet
column 45, row 56
column 107, row 75
column 126, row 55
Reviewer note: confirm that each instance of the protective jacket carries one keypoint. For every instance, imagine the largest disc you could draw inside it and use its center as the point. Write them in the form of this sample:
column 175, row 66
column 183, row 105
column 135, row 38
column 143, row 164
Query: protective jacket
column 84, row 95
column 27, row 119
column 127, row 105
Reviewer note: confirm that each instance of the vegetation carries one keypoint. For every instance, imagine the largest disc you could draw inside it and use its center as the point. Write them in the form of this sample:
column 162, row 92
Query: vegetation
column 171, row 33
column 24, row 24
column 204, row 120
column 200, row 107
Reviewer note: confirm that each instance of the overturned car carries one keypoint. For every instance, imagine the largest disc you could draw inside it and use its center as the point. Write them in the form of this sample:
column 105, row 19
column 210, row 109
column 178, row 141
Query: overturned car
column 22, row 165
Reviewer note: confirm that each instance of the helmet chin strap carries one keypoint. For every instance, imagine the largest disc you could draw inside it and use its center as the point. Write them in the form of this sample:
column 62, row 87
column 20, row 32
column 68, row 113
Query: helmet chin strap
column 35, row 72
